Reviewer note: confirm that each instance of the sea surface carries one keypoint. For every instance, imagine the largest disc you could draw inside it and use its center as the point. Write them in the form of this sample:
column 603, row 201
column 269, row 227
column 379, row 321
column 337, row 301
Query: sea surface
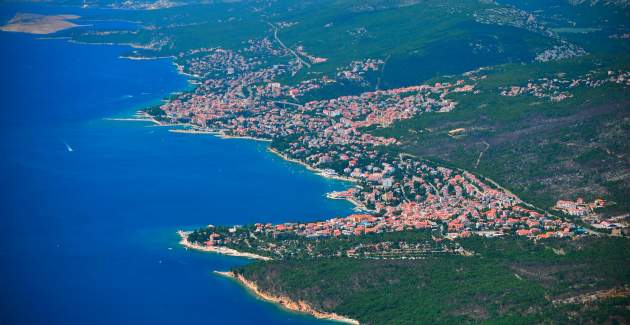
column 89, row 207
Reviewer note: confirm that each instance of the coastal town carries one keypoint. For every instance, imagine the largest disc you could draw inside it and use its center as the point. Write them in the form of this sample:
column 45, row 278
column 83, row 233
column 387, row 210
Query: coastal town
column 237, row 94
column 407, row 208
column 309, row 162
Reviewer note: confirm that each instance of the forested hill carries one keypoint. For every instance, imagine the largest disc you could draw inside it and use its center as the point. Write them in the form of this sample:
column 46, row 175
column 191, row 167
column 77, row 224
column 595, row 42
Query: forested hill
column 509, row 281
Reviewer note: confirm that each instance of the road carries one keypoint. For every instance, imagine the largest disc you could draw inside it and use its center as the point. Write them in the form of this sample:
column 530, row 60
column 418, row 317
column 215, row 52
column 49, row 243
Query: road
column 481, row 153
column 275, row 35
column 286, row 103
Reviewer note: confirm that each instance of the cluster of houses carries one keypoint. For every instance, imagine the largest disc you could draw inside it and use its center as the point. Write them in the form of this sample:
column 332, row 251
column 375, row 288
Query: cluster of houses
column 513, row 17
column 578, row 207
column 454, row 202
column 587, row 212
column 558, row 89
column 282, row 240
column 528, row 21
column 397, row 192
column 563, row 51
column 357, row 70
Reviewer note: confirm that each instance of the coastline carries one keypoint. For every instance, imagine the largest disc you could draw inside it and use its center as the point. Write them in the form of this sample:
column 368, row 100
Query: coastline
column 244, row 137
column 299, row 306
column 217, row 249
column 218, row 134
column 286, row 302
column 144, row 116
column 191, row 129
column 311, row 168
column 358, row 205
column 138, row 58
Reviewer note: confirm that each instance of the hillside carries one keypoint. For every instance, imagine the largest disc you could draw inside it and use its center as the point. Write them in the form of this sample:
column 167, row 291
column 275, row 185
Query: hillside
column 510, row 281
column 541, row 148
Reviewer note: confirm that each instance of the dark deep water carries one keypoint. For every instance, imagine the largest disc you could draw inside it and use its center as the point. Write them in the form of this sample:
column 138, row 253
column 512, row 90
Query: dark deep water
column 88, row 236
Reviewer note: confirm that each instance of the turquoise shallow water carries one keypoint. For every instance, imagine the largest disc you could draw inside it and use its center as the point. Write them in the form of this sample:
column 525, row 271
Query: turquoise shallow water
column 88, row 236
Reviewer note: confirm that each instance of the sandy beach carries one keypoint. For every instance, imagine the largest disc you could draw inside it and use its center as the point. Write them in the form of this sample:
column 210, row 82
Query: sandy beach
column 217, row 249
column 286, row 302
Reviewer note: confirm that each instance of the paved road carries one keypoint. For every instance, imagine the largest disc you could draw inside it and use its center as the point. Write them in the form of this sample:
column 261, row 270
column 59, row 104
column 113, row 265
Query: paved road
column 275, row 35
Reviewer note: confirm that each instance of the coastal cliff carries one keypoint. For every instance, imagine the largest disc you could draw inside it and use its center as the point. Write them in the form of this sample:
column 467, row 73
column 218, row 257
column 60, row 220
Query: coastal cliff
column 287, row 302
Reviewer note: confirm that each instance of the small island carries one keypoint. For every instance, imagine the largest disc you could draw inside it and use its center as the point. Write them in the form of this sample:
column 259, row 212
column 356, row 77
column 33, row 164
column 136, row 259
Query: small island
column 39, row 24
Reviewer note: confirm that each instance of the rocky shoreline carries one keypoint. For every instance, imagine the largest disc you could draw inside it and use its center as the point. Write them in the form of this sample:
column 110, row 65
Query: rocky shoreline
column 286, row 302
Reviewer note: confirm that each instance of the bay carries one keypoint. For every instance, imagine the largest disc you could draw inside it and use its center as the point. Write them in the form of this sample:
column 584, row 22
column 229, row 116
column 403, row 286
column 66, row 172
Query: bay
column 88, row 234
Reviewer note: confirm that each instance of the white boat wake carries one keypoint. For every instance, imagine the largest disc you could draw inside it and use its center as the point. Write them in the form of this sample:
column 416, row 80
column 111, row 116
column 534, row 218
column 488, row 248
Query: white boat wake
column 68, row 147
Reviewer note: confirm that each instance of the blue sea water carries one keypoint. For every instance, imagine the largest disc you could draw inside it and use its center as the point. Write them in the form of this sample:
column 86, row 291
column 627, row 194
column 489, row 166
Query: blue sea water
column 88, row 235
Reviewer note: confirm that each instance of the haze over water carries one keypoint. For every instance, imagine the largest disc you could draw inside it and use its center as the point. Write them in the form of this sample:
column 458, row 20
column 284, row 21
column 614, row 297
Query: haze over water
column 87, row 231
